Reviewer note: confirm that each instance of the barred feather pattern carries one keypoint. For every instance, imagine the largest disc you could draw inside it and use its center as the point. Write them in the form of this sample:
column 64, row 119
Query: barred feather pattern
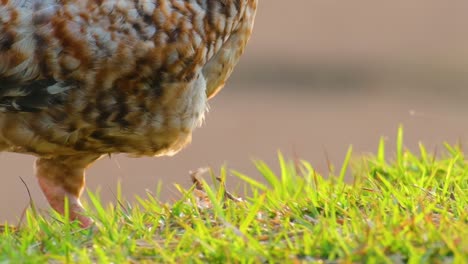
column 113, row 76
column 84, row 78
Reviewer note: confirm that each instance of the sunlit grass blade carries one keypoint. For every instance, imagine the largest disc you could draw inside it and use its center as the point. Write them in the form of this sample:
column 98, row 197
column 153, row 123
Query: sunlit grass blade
column 344, row 167
column 214, row 201
column 411, row 210
column 381, row 151
column 399, row 146
column 269, row 175
column 250, row 181
column 252, row 214
column 101, row 212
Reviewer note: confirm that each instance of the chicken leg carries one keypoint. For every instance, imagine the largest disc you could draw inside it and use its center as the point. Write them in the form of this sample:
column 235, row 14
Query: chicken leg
column 64, row 177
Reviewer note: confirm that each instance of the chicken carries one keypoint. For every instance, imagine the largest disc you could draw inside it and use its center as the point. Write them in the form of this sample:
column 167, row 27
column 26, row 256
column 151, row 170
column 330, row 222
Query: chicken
column 80, row 79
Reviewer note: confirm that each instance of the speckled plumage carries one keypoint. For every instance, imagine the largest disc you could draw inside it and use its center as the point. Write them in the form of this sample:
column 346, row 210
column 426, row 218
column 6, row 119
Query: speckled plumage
column 84, row 78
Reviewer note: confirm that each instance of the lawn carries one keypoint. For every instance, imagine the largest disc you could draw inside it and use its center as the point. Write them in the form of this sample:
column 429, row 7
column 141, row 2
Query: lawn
column 409, row 208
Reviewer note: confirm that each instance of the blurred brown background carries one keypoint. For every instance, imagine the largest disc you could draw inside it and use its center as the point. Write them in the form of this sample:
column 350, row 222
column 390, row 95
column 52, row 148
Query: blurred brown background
column 317, row 76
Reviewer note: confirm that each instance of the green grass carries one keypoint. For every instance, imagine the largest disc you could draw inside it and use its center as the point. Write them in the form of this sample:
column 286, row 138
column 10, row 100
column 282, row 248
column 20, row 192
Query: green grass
column 409, row 209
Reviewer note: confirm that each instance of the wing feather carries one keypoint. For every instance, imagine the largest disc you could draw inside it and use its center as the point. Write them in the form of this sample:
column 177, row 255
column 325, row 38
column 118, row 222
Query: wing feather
column 23, row 86
column 33, row 96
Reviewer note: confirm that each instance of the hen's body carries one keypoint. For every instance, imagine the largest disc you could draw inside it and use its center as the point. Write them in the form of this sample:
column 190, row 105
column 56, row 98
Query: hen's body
column 83, row 78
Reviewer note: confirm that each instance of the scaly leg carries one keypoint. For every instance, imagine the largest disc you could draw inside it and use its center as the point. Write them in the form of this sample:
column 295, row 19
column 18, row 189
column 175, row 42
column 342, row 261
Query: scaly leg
column 64, row 176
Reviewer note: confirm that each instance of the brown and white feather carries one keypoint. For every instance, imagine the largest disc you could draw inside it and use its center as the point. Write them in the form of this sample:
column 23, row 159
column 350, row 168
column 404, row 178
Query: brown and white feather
column 111, row 76
column 84, row 78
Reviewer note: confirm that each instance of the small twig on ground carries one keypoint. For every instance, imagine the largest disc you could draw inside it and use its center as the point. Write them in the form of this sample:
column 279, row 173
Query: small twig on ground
column 195, row 180
column 194, row 175
column 227, row 194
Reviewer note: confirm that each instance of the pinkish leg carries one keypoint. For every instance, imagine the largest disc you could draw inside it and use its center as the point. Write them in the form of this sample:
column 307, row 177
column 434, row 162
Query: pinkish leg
column 64, row 176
